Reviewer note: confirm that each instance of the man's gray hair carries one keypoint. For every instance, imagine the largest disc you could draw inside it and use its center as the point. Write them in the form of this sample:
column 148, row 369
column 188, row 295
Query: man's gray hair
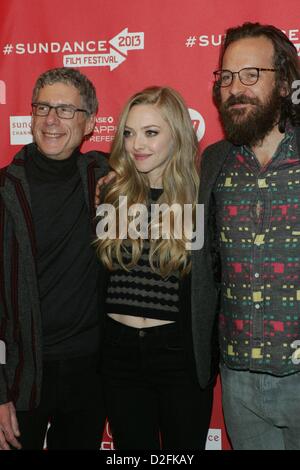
column 73, row 77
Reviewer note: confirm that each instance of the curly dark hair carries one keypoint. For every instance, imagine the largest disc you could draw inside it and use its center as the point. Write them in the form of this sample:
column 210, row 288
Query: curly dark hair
column 285, row 61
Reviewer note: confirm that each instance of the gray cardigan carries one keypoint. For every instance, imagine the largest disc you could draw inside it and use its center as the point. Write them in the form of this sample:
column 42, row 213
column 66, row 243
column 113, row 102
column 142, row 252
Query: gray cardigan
column 20, row 315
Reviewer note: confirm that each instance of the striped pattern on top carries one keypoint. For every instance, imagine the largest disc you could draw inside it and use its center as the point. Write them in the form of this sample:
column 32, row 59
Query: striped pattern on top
column 143, row 293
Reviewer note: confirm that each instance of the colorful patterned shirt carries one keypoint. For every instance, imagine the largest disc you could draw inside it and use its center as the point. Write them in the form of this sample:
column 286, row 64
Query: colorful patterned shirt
column 258, row 221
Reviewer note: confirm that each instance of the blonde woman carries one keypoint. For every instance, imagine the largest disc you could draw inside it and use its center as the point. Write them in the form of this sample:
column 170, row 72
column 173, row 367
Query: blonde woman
column 153, row 395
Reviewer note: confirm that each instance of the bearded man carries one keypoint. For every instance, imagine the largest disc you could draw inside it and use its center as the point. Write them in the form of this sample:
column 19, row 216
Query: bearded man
column 251, row 188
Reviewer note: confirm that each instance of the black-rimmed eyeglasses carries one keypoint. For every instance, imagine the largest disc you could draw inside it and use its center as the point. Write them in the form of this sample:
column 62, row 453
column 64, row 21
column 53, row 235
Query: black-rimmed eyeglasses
column 248, row 76
column 63, row 111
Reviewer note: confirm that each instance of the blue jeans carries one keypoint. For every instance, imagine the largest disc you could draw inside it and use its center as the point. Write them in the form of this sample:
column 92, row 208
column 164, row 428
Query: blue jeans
column 152, row 399
column 261, row 411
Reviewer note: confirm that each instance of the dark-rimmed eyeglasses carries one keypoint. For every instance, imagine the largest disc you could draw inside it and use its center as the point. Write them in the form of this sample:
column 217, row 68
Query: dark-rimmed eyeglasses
column 63, row 111
column 248, row 76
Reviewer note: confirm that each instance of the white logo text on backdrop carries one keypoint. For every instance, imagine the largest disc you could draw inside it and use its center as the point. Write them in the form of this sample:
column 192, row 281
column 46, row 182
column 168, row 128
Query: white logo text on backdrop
column 2, row 92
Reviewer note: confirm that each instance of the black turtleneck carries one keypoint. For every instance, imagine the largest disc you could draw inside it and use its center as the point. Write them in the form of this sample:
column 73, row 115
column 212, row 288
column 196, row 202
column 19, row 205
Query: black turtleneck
column 66, row 263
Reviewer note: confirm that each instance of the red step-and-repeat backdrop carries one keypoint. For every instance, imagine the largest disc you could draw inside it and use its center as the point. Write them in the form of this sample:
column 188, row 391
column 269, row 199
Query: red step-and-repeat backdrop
column 124, row 46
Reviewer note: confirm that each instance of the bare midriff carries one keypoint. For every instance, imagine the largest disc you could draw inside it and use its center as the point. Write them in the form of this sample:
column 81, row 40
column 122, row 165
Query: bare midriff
column 137, row 322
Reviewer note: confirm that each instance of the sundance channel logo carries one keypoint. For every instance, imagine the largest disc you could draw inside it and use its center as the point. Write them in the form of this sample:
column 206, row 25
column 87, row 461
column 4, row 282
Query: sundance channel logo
column 20, row 130
column 114, row 226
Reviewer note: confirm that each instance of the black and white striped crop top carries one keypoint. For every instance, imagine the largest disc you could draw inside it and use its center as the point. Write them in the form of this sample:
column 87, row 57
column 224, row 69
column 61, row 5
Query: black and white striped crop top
column 142, row 292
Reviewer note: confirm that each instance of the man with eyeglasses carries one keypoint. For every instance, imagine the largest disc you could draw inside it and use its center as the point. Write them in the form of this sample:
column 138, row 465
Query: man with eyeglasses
column 251, row 187
column 49, row 318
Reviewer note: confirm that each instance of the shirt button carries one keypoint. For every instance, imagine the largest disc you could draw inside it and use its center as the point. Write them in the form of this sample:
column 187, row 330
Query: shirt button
column 256, row 275
column 142, row 333
column 257, row 306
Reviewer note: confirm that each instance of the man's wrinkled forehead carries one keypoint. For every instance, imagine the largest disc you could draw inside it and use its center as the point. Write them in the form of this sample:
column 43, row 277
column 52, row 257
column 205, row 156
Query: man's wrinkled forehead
column 249, row 52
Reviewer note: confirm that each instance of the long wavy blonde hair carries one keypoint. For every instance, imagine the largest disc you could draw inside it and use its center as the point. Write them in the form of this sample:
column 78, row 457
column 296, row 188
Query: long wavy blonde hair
column 180, row 185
